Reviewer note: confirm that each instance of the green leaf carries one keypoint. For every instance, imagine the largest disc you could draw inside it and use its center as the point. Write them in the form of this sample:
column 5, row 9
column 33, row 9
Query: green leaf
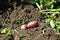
column 5, row 30
column 58, row 28
column 47, row 20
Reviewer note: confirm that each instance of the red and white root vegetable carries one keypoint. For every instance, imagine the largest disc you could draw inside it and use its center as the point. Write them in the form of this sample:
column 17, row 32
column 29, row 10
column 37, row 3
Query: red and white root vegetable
column 32, row 24
column 29, row 25
column 23, row 27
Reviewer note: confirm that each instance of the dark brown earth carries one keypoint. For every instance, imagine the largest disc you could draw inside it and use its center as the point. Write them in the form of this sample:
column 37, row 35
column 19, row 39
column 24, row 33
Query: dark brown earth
column 23, row 14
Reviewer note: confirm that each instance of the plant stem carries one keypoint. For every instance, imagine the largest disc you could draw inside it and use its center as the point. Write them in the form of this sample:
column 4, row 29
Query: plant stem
column 51, row 10
column 38, row 6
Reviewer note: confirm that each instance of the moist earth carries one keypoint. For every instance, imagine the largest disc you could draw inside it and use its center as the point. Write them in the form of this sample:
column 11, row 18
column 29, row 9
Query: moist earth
column 24, row 13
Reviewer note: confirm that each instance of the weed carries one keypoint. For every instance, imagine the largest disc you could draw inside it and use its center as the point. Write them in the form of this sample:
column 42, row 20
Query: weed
column 21, row 36
column 47, row 7
column 3, row 22
column 44, row 3
column 6, row 31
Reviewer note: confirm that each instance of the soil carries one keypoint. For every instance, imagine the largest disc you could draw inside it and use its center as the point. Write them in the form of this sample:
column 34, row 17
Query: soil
column 23, row 14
